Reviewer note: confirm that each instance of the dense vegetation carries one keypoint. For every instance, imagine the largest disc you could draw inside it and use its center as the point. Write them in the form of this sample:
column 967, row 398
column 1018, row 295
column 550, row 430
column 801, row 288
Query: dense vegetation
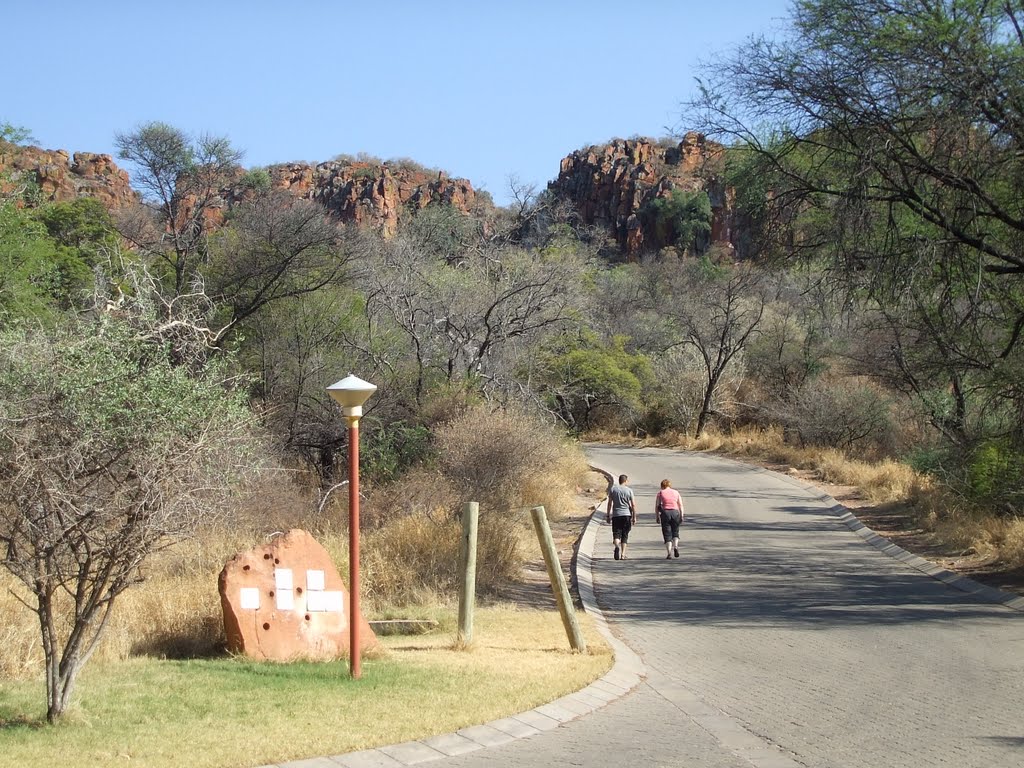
column 876, row 155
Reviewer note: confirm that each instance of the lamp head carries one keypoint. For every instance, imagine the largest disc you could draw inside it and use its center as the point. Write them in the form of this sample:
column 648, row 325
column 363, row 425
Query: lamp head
column 350, row 393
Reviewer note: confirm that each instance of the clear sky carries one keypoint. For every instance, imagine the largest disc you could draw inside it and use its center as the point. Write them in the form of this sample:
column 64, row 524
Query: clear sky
column 483, row 90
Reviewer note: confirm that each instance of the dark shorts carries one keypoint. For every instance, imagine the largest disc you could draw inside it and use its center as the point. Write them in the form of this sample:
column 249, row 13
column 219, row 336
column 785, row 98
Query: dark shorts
column 670, row 520
column 621, row 527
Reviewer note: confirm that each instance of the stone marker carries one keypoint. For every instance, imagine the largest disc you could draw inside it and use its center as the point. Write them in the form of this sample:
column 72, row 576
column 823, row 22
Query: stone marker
column 285, row 600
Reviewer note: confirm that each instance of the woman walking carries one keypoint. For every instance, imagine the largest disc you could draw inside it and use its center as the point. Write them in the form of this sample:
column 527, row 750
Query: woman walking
column 668, row 510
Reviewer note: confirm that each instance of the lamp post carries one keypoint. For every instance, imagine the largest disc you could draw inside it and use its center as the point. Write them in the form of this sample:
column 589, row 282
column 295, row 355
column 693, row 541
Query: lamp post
column 351, row 392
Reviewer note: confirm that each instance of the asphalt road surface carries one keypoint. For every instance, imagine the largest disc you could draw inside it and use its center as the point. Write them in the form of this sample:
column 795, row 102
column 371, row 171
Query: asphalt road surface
column 780, row 638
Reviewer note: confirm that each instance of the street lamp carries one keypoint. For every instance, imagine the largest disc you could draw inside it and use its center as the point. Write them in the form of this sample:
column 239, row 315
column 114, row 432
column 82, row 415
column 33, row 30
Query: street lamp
column 351, row 392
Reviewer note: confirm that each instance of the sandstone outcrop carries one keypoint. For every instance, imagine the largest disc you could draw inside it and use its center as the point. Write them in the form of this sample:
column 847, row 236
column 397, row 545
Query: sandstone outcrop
column 612, row 186
column 60, row 177
column 367, row 193
column 285, row 600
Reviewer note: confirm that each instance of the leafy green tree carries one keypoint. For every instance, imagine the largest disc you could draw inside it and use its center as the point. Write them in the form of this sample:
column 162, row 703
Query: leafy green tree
column 84, row 237
column 108, row 453
column 683, row 219
column 180, row 179
column 83, row 223
column 890, row 134
column 13, row 134
column 39, row 273
column 587, row 381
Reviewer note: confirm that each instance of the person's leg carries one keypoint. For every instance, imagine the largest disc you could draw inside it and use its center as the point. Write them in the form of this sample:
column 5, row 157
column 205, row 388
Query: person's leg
column 666, row 532
column 626, row 525
column 677, row 519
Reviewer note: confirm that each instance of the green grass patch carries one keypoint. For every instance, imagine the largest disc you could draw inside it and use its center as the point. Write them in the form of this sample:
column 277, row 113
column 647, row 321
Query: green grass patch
column 225, row 712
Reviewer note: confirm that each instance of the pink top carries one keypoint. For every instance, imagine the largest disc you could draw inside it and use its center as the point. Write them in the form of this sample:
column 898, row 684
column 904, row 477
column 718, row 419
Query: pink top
column 669, row 498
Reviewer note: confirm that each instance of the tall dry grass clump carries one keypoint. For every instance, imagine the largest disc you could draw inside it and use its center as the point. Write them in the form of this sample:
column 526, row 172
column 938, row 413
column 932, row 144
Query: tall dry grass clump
column 505, row 460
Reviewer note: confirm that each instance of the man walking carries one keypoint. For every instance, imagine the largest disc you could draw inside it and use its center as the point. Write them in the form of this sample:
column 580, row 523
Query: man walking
column 621, row 513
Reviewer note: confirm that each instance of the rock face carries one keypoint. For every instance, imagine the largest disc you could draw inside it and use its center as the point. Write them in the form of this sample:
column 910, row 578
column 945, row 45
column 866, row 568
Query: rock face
column 612, row 186
column 367, row 193
column 285, row 600
column 61, row 178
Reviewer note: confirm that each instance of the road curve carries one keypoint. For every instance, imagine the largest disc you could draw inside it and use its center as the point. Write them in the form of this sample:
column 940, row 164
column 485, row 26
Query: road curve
column 780, row 638
column 809, row 639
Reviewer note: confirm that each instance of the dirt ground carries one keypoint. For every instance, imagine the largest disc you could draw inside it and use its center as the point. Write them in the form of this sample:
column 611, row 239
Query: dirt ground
column 534, row 588
column 890, row 521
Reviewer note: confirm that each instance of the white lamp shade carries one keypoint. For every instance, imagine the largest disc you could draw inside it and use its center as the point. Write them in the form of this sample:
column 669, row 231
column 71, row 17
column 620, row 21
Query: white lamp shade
column 351, row 392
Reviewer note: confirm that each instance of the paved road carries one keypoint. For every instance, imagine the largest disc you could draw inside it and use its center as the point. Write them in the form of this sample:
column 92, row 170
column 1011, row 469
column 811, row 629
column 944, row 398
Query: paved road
column 804, row 635
column 781, row 638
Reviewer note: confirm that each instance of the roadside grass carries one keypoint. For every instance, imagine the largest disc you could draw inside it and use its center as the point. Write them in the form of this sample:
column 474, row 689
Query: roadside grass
column 951, row 522
column 227, row 712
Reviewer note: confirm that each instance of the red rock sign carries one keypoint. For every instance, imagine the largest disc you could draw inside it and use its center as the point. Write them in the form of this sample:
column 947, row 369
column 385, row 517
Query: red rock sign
column 285, row 600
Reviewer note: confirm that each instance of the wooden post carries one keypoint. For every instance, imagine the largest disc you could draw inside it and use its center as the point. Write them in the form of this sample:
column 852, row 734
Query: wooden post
column 558, row 585
column 467, row 582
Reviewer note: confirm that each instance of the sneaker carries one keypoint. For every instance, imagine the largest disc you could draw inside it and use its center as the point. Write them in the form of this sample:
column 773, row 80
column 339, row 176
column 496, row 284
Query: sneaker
column 676, row 551
column 615, row 554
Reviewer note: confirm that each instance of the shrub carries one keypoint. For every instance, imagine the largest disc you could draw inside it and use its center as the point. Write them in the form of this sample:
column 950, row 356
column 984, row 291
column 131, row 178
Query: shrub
column 507, row 459
column 256, row 180
column 995, row 474
column 838, row 414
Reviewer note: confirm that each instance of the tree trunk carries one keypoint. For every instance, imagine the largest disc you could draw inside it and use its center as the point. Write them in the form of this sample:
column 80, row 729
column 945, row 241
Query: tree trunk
column 705, row 406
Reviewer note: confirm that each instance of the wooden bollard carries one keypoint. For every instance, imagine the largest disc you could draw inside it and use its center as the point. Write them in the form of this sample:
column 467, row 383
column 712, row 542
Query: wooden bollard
column 467, row 581
column 558, row 585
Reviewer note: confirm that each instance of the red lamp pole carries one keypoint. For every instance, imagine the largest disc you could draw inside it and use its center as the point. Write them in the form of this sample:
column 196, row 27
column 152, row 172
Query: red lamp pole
column 353, row 546
column 350, row 393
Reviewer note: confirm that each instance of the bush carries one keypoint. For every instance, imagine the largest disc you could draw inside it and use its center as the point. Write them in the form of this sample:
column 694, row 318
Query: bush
column 838, row 414
column 995, row 474
column 256, row 180
column 507, row 460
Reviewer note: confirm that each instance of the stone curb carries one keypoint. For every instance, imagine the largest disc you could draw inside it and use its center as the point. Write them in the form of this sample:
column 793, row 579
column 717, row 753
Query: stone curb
column 626, row 673
column 879, row 542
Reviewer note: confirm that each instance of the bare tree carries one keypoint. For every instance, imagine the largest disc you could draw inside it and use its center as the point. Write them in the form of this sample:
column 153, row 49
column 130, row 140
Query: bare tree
column 716, row 308
column 458, row 319
column 277, row 247
column 108, row 452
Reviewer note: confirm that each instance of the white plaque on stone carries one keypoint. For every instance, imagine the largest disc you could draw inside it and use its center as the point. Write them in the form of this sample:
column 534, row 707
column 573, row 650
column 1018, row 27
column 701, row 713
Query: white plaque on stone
column 283, row 578
column 314, row 580
column 332, row 601
column 249, row 597
column 316, row 602
column 285, row 600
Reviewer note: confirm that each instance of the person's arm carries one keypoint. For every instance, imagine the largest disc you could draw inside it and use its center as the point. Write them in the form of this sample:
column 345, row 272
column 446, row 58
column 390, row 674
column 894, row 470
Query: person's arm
column 657, row 508
column 632, row 510
column 608, row 509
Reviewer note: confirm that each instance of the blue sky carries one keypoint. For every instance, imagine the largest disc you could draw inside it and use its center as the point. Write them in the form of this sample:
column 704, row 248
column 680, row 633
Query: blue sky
column 481, row 89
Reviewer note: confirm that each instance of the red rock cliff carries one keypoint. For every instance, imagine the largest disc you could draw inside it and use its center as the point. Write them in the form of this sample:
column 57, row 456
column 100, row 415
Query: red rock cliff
column 365, row 193
column 611, row 185
column 368, row 193
column 61, row 178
